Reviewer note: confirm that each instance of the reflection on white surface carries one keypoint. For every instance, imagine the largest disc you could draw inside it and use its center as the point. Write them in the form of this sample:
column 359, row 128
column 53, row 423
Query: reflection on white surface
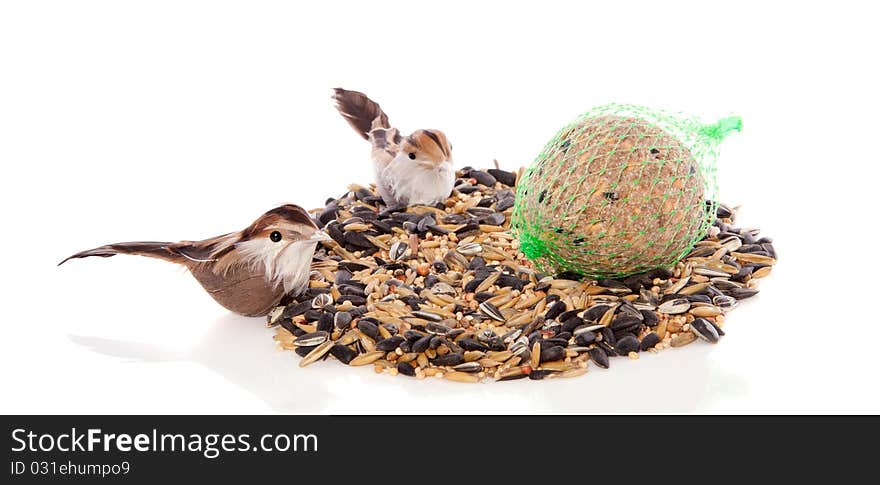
column 242, row 351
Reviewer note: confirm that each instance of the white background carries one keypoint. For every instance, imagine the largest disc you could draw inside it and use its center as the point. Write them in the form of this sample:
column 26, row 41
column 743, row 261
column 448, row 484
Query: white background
column 183, row 120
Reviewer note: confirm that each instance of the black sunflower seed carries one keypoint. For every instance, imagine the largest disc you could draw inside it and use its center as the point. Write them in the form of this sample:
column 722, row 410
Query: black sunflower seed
column 436, row 341
column 343, row 353
column 543, row 287
column 468, row 230
column 290, row 327
column 411, row 300
column 649, row 341
column 406, row 217
column 449, row 359
column 554, row 341
column 585, row 338
column 313, row 315
column 649, row 318
column 624, row 322
column 295, row 309
column 705, row 330
column 483, row 296
column 453, row 347
column 593, row 314
column 425, row 222
column 328, row 214
column 552, row 353
column 352, row 289
column 699, row 298
column 494, row 219
column 745, row 272
column 358, row 239
column 627, row 344
column 412, row 335
column 742, row 293
column 609, row 350
column 406, row 369
column 304, row 350
column 608, row 336
column 368, row 328
column 486, row 202
column 627, row 308
column 568, row 314
column 352, row 266
column 496, row 343
column 471, row 344
column 470, row 367
column 472, row 285
column 599, row 357
column 750, row 248
column 342, row 276
column 437, row 328
column 538, row 374
column 483, row 178
column 662, row 273
column 382, row 226
column 504, row 204
column 431, row 280
column 389, row 344
column 313, row 292
column 768, row 247
column 411, row 227
column 491, row 311
column 355, row 300
column 510, row 281
column 466, row 188
column 555, row 310
column 572, row 323
column 422, row 343
column 503, row 176
column 430, row 316
column 479, row 212
column 325, row 323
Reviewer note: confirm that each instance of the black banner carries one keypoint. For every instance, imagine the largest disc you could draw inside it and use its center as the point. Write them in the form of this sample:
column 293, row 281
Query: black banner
column 144, row 449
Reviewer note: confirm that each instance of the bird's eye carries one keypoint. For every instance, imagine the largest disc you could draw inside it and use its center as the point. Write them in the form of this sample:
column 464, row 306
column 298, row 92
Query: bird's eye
column 412, row 156
column 275, row 236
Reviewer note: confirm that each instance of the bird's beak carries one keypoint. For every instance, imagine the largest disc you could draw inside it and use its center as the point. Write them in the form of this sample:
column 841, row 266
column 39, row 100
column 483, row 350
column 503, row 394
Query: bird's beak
column 320, row 235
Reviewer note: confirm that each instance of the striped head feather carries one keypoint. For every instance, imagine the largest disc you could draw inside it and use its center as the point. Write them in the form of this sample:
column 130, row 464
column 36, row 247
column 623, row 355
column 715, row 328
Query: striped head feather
column 279, row 244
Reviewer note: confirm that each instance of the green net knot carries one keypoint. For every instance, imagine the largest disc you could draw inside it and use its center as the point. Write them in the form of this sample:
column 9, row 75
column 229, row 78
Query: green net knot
column 724, row 127
column 532, row 246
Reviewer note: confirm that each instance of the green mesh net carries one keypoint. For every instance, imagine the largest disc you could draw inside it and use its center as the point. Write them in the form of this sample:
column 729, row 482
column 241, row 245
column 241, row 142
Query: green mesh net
column 621, row 190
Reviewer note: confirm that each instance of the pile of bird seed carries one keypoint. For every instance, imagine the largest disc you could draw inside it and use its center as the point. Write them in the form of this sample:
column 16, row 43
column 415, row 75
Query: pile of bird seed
column 445, row 292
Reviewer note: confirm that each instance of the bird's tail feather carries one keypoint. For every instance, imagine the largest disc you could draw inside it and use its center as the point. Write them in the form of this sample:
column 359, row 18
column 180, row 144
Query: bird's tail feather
column 362, row 113
column 153, row 249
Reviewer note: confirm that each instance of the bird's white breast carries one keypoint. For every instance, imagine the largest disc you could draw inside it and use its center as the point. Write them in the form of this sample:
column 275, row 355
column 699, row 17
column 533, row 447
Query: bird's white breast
column 411, row 183
column 286, row 264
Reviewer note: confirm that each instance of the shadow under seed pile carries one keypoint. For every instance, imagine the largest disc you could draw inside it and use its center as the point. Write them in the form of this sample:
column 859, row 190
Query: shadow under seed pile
column 445, row 292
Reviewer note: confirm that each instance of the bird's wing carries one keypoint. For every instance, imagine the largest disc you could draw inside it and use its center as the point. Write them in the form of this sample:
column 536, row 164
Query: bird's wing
column 385, row 143
column 208, row 250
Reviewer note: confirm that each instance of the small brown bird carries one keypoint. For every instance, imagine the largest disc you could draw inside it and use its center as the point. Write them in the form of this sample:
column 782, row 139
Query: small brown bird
column 416, row 169
column 249, row 271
